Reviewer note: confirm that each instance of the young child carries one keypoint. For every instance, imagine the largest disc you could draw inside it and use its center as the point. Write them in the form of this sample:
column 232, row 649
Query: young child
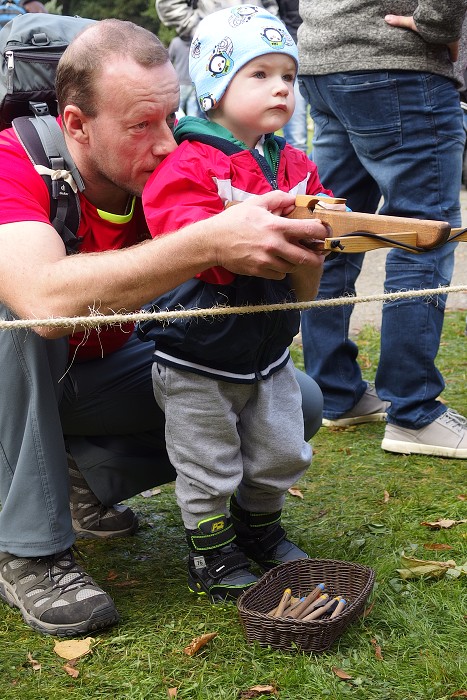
column 234, row 425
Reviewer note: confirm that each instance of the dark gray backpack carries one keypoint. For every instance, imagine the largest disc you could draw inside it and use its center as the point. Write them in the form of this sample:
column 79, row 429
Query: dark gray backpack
column 30, row 48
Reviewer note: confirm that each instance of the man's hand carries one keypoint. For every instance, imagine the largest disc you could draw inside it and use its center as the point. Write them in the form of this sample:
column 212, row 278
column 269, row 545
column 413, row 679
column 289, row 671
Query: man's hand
column 408, row 22
column 255, row 238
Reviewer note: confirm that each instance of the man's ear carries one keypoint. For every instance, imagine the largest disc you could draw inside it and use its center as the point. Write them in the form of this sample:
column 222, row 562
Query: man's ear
column 75, row 123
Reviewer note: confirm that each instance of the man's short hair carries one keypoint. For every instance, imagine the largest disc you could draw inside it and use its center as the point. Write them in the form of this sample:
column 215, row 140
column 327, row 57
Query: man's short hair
column 83, row 60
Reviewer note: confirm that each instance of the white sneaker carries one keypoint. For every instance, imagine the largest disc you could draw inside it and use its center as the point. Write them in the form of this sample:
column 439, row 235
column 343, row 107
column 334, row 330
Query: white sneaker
column 444, row 437
column 370, row 409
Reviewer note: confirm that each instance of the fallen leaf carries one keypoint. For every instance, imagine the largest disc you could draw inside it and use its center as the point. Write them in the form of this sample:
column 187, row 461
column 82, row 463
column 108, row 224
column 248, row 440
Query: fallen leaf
column 378, row 653
column 73, row 648
column 151, row 492
column 459, row 694
column 199, row 642
column 386, row 497
column 436, row 546
column 172, row 692
column 35, row 664
column 71, row 669
column 443, row 523
column 112, row 575
column 341, row 674
column 462, row 497
column 414, row 568
column 257, row 690
column 127, row 582
column 368, row 610
column 295, row 492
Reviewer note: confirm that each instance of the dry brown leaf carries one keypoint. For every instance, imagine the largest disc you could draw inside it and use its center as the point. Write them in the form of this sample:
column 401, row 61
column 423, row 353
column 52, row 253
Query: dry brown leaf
column 459, row 694
column 462, row 497
column 112, row 575
column 341, row 674
column 151, row 492
column 386, row 497
column 436, row 546
column 368, row 610
column 295, row 492
column 257, row 690
column 35, row 664
column 378, row 652
column 415, row 568
column 73, row 648
column 443, row 523
column 199, row 642
column 172, row 692
column 71, row 669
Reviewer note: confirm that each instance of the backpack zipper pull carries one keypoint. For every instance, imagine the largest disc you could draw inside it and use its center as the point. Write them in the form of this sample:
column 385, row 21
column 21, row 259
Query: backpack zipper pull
column 10, row 62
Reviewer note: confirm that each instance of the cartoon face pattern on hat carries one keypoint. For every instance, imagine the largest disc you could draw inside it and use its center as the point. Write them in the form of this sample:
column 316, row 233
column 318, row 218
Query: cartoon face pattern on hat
column 227, row 40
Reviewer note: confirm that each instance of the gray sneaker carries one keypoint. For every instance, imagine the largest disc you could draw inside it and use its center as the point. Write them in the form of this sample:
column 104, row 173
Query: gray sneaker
column 444, row 437
column 370, row 409
column 91, row 519
column 55, row 596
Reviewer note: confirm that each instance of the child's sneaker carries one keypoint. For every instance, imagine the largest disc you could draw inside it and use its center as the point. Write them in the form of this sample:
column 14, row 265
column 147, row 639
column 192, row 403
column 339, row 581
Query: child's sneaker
column 262, row 538
column 216, row 566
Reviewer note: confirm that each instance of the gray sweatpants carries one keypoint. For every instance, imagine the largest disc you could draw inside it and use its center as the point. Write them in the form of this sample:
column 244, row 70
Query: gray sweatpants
column 224, row 438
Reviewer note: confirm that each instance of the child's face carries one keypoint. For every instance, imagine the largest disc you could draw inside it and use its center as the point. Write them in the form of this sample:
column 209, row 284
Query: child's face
column 260, row 99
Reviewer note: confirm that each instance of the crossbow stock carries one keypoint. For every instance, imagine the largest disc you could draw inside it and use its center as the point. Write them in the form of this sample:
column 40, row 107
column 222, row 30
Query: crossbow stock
column 354, row 232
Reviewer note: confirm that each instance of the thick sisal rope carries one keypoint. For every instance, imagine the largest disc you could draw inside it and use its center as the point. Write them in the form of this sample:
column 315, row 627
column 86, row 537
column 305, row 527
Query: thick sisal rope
column 96, row 319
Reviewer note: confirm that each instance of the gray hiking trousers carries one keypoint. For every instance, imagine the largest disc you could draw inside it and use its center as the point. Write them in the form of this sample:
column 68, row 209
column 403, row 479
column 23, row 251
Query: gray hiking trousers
column 105, row 410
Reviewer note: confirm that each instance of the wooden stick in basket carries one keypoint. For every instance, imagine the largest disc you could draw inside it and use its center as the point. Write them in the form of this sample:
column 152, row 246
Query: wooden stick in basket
column 321, row 610
column 292, row 603
column 339, row 608
column 283, row 602
column 310, row 598
column 322, row 600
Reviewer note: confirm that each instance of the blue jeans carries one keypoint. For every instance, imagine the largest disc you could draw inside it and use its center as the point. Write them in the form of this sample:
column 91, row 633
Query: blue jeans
column 399, row 136
column 296, row 130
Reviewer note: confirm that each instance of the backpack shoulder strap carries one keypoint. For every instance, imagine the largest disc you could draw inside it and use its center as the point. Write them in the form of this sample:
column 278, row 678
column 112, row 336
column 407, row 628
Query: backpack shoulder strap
column 43, row 141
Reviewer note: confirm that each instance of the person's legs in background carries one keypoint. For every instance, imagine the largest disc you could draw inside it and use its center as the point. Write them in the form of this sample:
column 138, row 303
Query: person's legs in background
column 296, row 130
column 394, row 119
column 330, row 355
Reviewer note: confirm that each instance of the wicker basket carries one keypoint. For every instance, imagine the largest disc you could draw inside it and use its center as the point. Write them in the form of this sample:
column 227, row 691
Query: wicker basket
column 352, row 581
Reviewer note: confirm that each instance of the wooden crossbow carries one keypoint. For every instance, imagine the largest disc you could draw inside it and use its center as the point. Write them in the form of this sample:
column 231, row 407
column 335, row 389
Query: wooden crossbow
column 355, row 232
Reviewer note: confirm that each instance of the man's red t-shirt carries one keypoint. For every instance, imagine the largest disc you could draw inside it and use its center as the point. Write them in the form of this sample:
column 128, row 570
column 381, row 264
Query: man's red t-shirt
column 24, row 197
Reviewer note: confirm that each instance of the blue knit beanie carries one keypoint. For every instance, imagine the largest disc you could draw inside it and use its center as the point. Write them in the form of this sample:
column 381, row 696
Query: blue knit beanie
column 226, row 40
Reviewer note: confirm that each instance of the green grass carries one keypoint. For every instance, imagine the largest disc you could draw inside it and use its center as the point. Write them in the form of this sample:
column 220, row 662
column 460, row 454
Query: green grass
column 420, row 625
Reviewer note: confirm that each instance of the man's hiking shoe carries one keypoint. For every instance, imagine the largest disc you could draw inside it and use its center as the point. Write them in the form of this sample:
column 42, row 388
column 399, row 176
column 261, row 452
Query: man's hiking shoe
column 370, row 409
column 216, row 566
column 91, row 519
column 444, row 437
column 262, row 538
column 55, row 596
